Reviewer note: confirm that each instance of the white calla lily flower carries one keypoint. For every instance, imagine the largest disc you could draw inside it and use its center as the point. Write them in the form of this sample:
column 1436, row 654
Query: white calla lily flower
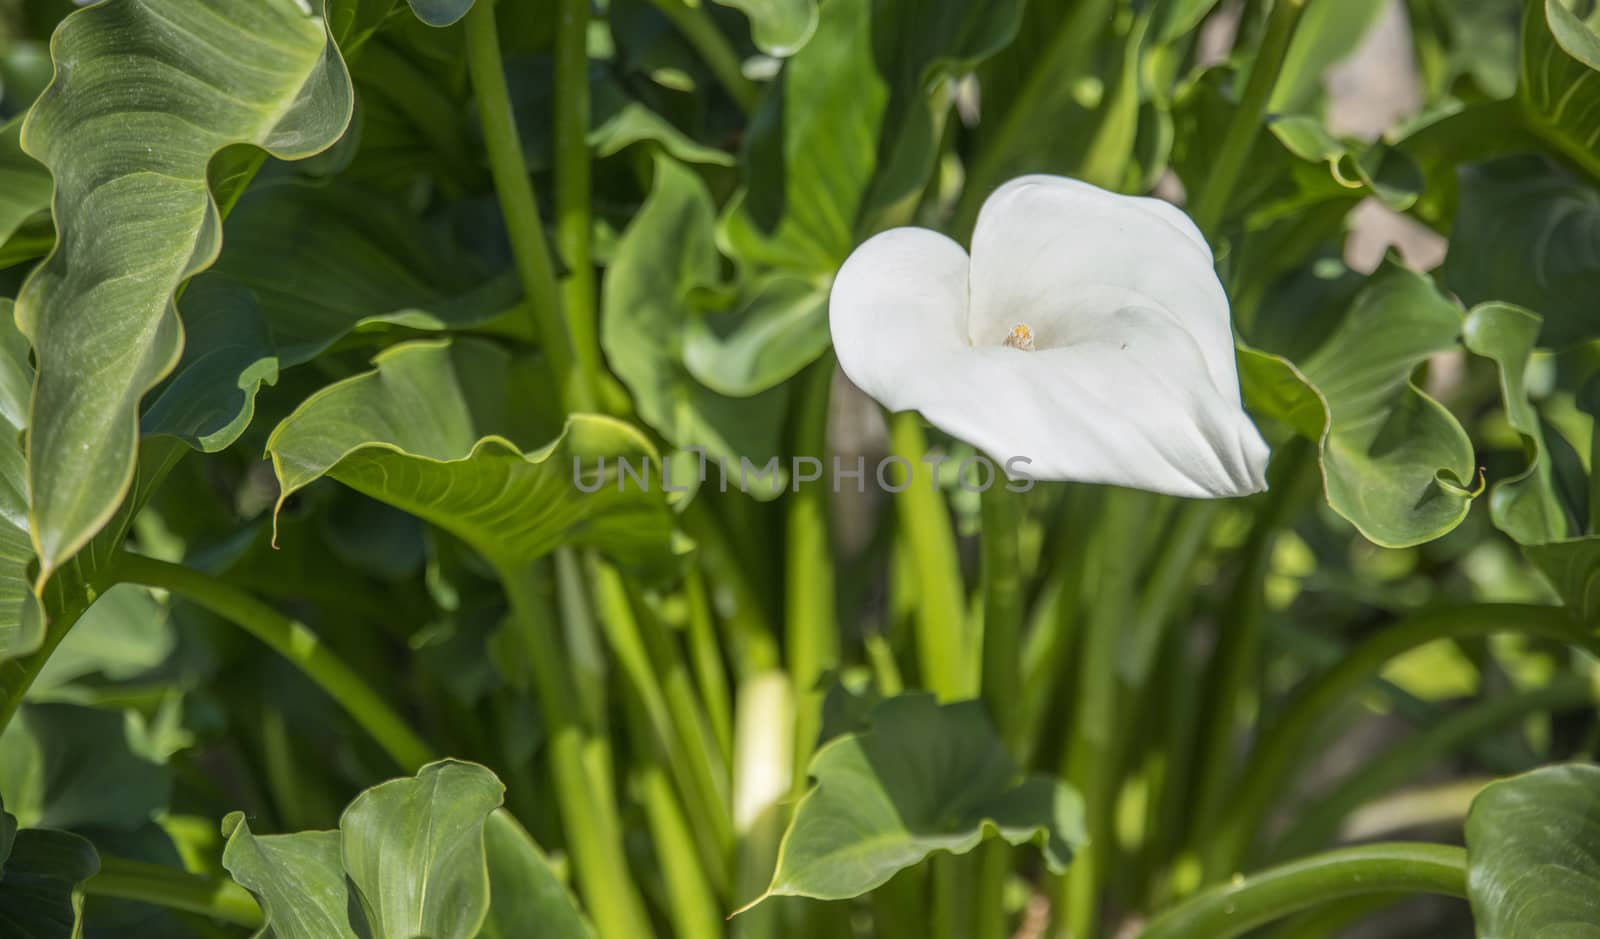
column 1087, row 333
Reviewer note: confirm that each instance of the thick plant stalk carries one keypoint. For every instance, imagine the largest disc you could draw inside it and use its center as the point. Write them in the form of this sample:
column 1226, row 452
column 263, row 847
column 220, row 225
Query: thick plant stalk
column 583, row 790
column 1234, row 909
column 573, row 196
column 810, row 629
column 943, row 646
column 517, row 202
column 1002, row 676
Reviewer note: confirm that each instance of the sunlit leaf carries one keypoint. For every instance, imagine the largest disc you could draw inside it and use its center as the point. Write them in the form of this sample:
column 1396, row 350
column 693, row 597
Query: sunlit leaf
column 1328, row 32
column 924, row 777
column 526, row 897
column 663, row 257
column 296, row 878
column 433, row 431
column 145, row 94
column 777, row 328
column 413, row 850
column 1394, row 461
column 1533, row 855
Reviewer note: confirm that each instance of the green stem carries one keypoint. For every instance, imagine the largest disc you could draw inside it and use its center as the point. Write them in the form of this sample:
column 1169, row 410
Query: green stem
column 517, row 201
column 749, row 637
column 1092, row 757
column 1233, row 667
column 573, row 197
column 810, row 629
column 658, row 676
column 1002, row 608
column 695, row 24
column 1247, row 120
column 1406, row 760
column 1234, row 909
column 213, row 897
column 1002, row 675
column 583, row 795
column 943, row 653
column 1274, row 759
column 290, row 639
column 706, row 654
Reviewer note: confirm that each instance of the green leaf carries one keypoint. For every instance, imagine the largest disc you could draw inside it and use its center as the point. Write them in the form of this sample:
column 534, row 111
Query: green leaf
column 1559, row 91
column 1352, row 165
column 777, row 328
column 24, row 187
column 779, row 27
column 413, row 849
column 297, row 879
column 431, row 432
column 72, row 767
column 145, row 93
column 925, row 777
column 39, row 896
column 1533, row 855
column 1528, row 233
column 1394, row 461
column 21, row 620
column 812, row 151
column 667, row 255
column 619, row 122
column 303, row 267
column 1572, row 566
column 527, row 898
column 440, row 12
column 1525, row 506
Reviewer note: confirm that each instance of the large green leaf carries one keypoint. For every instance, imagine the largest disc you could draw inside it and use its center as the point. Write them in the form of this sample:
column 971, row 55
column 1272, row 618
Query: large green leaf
column 39, row 896
column 1394, row 461
column 665, row 257
column 779, row 27
column 145, row 93
column 1528, row 233
column 527, row 898
column 297, row 879
column 923, row 777
column 24, row 188
column 413, row 850
column 429, row 856
column 1533, row 855
column 1558, row 87
column 432, row 431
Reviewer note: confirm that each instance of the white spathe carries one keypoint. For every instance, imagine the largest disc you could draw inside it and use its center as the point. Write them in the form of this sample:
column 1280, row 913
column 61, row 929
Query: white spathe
column 1130, row 379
